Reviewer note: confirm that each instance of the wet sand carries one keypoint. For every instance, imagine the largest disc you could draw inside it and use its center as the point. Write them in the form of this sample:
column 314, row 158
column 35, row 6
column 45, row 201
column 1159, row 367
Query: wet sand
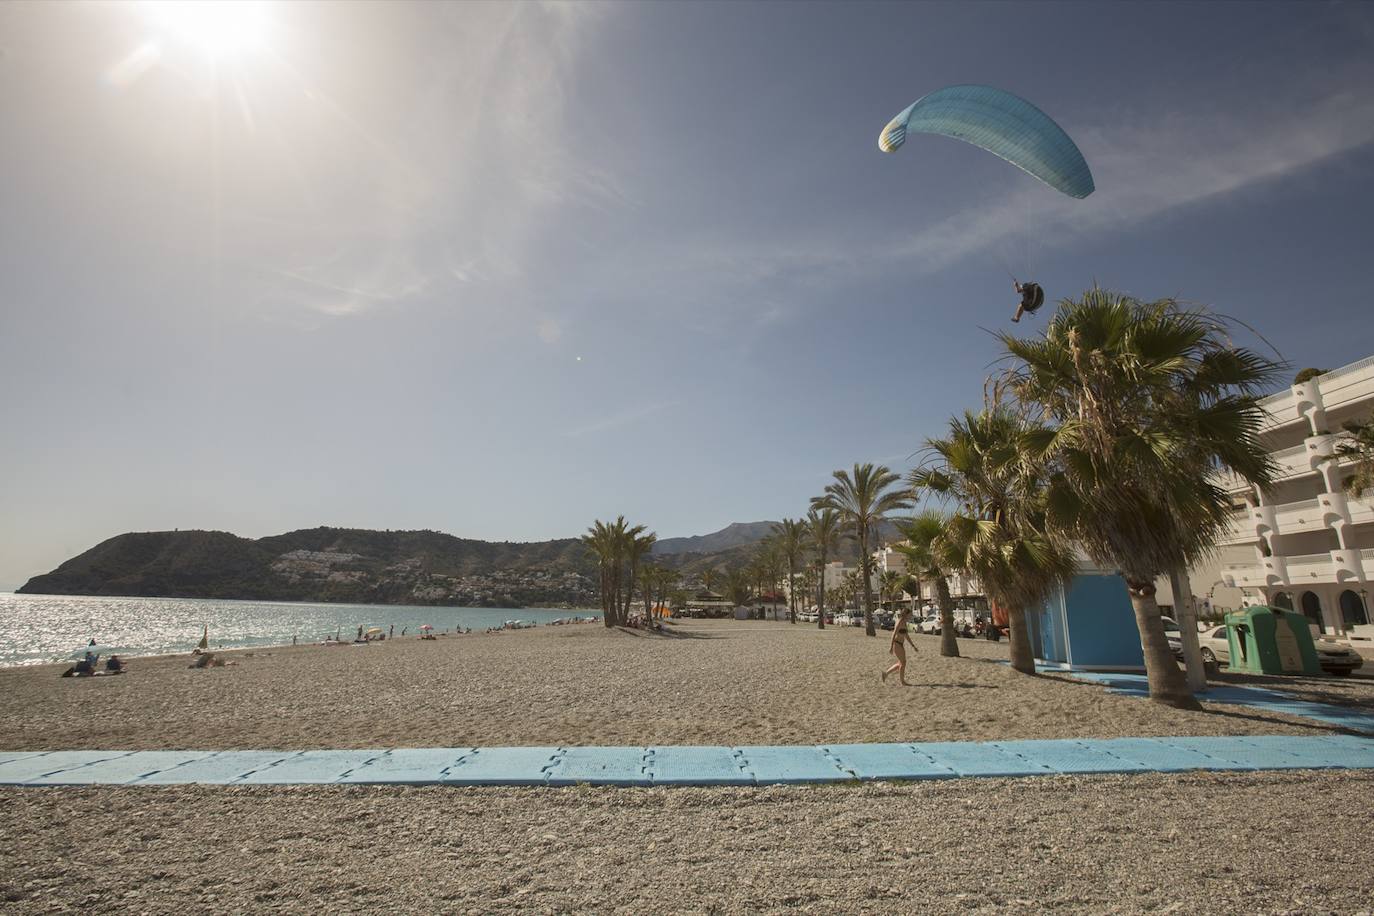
column 710, row 682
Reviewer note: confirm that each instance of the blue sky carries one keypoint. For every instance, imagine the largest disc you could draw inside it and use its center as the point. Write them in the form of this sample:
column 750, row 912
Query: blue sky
column 500, row 270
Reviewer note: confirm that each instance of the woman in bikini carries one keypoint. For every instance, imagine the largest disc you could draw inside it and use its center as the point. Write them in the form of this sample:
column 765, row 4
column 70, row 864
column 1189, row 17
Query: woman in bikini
column 900, row 637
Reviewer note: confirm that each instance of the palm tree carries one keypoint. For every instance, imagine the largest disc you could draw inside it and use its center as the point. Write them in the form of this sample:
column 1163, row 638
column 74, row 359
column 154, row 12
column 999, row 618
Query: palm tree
column 738, row 585
column 929, row 556
column 606, row 541
column 1358, row 447
column 1148, row 398
column 863, row 500
column 889, row 584
column 638, row 543
column 791, row 540
column 998, row 531
column 823, row 538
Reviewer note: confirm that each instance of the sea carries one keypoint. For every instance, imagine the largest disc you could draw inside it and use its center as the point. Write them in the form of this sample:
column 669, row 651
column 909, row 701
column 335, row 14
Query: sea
column 36, row 629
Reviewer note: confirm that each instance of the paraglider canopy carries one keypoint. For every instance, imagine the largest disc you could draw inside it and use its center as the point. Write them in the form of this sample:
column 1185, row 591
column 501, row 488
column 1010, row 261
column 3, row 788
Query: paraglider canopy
column 1005, row 125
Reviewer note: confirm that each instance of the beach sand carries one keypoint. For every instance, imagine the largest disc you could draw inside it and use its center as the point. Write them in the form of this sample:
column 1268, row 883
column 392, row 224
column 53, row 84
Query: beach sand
column 1196, row 843
column 712, row 682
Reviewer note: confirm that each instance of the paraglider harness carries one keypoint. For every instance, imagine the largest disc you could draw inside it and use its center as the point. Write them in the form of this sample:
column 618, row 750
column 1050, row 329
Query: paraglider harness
column 1032, row 297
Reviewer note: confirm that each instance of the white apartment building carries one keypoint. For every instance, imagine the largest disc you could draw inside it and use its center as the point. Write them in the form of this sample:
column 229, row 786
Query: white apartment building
column 964, row 589
column 1307, row 545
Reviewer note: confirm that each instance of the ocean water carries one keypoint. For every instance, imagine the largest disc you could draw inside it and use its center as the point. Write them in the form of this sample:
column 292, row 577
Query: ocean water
column 35, row 629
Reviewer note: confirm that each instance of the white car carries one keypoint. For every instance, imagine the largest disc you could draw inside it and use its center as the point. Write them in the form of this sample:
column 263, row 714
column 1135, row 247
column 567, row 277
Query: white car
column 1215, row 646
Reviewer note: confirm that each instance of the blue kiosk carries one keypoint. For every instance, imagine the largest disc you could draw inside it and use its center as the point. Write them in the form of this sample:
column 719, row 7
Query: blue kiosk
column 1089, row 625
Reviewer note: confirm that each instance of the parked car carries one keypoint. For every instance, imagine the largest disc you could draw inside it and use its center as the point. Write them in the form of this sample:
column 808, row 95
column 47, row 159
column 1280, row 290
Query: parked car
column 1336, row 658
column 1333, row 657
column 885, row 621
column 1215, row 646
column 1174, row 635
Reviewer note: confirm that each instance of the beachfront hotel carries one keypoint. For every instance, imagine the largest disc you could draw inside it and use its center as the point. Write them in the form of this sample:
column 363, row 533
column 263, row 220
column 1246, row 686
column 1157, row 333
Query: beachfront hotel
column 1307, row 545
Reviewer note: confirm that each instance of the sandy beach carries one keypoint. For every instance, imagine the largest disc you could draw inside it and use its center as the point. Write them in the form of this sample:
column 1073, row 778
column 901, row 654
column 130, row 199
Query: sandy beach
column 710, row 682
column 1196, row 843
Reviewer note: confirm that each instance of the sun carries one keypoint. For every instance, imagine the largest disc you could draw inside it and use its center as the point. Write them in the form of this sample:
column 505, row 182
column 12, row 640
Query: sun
column 218, row 28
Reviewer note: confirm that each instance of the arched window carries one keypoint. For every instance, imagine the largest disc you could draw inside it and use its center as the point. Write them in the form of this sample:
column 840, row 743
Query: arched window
column 1353, row 611
column 1282, row 600
column 1312, row 609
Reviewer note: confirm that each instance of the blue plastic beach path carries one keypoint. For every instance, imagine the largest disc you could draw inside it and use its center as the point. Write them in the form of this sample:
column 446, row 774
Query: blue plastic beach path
column 683, row 766
column 728, row 766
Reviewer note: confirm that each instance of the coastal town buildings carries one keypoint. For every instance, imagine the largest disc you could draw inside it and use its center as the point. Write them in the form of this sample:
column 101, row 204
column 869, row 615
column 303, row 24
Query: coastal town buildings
column 1307, row 545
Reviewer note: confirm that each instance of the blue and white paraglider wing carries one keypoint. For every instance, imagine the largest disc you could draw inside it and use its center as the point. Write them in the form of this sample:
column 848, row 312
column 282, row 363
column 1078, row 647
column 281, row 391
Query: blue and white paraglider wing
column 1005, row 125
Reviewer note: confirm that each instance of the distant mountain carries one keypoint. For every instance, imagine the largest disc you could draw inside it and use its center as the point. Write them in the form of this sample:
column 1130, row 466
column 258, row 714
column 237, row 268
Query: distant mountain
column 373, row 567
column 330, row 564
column 736, row 534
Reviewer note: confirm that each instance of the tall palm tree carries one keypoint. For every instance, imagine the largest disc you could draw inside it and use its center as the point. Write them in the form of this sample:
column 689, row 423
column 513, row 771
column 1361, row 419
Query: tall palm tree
column 790, row 535
column 606, row 541
column 998, row 531
column 863, row 500
column 1148, row 397
column 638, row 543
column 823, row 538
column 929, row 556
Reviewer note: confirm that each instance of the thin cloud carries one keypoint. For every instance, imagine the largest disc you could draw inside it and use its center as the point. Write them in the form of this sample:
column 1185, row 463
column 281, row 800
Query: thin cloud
column 623, row 418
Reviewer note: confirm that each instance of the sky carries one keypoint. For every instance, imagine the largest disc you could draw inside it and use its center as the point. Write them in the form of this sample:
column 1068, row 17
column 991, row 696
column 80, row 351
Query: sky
column 500, row 270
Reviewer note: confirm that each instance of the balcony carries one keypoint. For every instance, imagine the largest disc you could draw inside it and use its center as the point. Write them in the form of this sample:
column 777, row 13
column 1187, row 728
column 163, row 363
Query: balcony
column 1348, row 385
column 1284, row 407
column 1310, row 568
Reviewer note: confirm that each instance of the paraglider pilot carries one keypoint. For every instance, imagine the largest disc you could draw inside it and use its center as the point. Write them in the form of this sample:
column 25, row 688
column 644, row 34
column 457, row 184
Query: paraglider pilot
column 1032, row 297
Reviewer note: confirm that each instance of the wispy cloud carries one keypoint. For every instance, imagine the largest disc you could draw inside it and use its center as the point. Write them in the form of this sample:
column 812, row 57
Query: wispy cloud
column 622, row 418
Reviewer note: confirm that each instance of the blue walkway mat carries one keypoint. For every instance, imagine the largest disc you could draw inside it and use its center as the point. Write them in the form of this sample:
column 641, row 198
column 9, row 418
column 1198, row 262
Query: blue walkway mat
column 675, row 765
column 690, row 766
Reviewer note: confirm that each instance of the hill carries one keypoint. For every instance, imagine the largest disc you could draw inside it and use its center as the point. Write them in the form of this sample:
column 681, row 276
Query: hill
column 330, row 564
column 736, row 534
column 373, row 567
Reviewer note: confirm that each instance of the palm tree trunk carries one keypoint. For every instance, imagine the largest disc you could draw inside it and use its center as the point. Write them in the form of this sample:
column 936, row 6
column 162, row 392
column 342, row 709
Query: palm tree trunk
column 949, row 648
column 820, row 596
column 1185, row 612
column 607, row 615
column 1167, row 684
column 864, row 562
column 791, row 593
column 1022, row 655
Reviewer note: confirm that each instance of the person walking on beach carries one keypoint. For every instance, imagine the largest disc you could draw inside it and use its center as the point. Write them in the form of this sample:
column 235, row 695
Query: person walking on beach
column 900, row 637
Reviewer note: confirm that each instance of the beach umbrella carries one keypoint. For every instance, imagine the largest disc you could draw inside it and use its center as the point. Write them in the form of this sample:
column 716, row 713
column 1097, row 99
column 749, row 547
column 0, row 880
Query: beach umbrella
column 425, row 626
column 371, row 630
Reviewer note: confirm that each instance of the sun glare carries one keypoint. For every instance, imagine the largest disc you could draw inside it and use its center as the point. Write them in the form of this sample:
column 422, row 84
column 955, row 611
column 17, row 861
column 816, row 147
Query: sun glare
column 218, row 28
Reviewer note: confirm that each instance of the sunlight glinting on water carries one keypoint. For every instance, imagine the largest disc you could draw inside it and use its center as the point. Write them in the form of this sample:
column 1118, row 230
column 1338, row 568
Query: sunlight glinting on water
column 36, row 629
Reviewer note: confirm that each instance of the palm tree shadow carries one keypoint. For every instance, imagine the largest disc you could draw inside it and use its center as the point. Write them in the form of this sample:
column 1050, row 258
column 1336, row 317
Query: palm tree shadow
column 667, row 634
column 1232, row 712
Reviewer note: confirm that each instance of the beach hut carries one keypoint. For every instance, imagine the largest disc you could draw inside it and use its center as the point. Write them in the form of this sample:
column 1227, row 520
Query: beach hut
column 1088, row 625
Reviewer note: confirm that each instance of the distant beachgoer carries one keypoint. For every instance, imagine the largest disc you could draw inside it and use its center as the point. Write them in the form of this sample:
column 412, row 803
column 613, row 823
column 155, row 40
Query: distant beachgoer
column 900, row 636
column 113, row 665
column 403, row 630
column 293, row 639
column 392, row 632
column 360, row 632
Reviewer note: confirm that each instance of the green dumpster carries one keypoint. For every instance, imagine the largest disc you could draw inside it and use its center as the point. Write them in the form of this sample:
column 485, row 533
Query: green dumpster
column 1266, row 640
